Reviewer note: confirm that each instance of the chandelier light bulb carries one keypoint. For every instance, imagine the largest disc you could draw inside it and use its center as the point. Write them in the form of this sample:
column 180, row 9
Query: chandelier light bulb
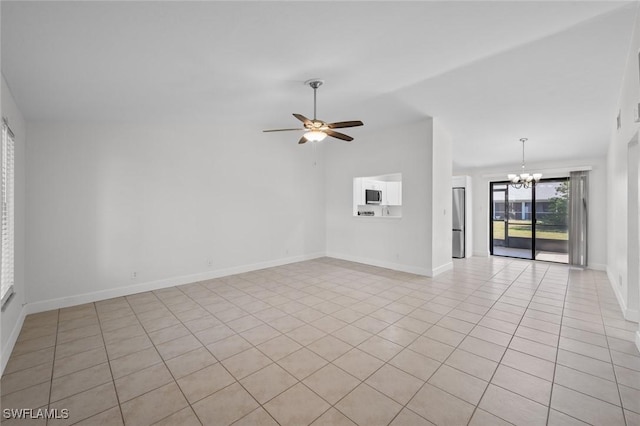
column 523, row 179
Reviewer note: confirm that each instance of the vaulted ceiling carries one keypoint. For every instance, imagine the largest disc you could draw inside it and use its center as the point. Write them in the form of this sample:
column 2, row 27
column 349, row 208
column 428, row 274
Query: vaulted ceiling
column 491, row 71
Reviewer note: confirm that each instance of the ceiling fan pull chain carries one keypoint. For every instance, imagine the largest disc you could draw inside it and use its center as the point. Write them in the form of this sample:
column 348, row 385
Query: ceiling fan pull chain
column 315, row 156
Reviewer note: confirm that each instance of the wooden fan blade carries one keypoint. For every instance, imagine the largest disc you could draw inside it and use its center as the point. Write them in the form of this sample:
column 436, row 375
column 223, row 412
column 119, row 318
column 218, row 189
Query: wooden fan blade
column 342, row 124
column 338, row 135
column 302, row 140
column 302, row 118
column 281, row 130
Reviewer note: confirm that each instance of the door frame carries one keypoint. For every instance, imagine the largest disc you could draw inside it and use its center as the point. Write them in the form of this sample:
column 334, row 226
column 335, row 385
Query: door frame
column 506, row 224
column 506, row 201
column 534, row 219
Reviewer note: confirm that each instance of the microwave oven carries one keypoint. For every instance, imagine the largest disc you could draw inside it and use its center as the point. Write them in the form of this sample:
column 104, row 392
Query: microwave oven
column 373, row 196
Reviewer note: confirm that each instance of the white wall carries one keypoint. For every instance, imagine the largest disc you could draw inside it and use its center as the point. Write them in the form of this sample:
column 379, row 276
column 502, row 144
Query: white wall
column 406, row 243
column 597, row 253
column 440, row 180
column 12, row 317
column 163, row 200
column 619, row 210
column 403, row 243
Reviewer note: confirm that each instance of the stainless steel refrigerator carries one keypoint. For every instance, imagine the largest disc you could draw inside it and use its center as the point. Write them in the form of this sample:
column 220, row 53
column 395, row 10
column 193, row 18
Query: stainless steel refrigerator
column 458, row 222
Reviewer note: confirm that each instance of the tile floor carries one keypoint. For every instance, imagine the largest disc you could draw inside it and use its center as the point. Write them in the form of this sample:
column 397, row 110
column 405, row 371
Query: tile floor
column 328, row 342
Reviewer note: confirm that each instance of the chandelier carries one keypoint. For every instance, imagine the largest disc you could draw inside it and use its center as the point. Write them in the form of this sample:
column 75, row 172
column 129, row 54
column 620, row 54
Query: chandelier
column 523, row 179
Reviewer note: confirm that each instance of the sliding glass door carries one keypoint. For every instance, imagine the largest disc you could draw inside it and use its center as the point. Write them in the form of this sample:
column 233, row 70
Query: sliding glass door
column 552, row 220
column 498, row 223
column 512, row 221
column 530, row 223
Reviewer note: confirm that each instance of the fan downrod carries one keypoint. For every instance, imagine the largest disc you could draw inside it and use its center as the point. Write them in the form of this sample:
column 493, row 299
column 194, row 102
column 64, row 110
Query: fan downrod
column 314, row 83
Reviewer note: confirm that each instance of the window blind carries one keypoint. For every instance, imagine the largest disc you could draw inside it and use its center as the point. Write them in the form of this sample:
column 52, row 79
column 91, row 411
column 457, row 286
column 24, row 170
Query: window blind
column 7, row 213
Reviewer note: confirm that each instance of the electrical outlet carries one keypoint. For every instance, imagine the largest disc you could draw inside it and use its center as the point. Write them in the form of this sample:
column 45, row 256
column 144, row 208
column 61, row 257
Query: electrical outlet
column 134, row 275
column 210, row 262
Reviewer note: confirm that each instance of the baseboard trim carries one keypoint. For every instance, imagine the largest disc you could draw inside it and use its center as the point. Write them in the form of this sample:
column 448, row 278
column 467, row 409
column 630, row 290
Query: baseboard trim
column 481, row 253
column 632, row 315
column 440, row 269
column 64, row 302
column 383, row 264
column 628, row 314
column 13, row 338
column 597, row 267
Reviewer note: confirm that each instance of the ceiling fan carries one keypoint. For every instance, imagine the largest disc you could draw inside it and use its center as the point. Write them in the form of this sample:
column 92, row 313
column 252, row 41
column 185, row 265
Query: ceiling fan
column 317, row 130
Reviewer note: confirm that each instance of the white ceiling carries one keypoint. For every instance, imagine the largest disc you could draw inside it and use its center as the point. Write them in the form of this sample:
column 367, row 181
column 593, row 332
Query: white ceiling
column 491, row 71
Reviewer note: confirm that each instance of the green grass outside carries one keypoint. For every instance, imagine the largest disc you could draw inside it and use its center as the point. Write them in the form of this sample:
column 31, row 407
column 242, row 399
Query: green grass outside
column 525, row 231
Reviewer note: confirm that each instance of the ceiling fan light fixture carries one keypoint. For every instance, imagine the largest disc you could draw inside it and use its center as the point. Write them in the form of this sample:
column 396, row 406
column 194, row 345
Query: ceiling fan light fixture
column 315, row 129
column 315, row 135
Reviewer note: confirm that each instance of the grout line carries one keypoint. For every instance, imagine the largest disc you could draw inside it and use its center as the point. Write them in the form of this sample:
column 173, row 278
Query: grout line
column 331, row 362
column 457, row 347
column 236, row 380
column 55, row 347
column 555, row 364
column 615, row 375
column 352, row 283
column 163, row 362
column 113, row 382
column 443, row 362
column 507, row 346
